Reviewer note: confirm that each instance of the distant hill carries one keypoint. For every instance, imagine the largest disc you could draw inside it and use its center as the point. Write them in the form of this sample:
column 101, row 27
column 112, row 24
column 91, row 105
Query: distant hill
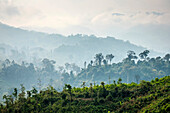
column 74, row 48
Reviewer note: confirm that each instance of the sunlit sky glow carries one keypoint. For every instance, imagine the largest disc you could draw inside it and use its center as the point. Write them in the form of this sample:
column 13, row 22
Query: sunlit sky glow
column 142, row 22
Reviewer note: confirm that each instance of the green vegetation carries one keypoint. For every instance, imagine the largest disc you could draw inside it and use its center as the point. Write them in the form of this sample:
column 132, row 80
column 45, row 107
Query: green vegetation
column 146, row 97
column 105, row 86
column 133, row 68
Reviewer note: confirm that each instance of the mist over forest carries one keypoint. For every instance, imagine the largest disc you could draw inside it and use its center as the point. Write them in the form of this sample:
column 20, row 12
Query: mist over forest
column 27, row 57
column 37, row 62
column 30, row 46
column 84, row 56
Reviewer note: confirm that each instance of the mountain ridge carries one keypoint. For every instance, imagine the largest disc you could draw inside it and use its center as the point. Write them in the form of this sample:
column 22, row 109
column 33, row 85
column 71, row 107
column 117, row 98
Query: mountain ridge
column 72, row 48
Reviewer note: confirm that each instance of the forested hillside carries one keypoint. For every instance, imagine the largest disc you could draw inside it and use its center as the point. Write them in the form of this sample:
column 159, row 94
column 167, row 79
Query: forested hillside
column 102, row 61
column 100, row 69
column 31, row 46
column 115, row 97
column 133, row 68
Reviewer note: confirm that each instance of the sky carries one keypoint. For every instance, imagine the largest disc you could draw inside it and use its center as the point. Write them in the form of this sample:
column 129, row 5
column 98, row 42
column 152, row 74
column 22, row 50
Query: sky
column 142, row 22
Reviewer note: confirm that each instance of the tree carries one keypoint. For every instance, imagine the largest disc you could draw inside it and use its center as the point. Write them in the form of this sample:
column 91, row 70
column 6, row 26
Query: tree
column 98, row 58
column 85, row 65
column 34, row 91
column 91, row 62
column 109, row 97
column 102, row 83
column 67, row 66
column 28, row 94
column 68, row 88
column 144, row 54
column 22, row 94
column 110, row 57
column 48, row 65
column 114, row 82
column 7, row 62
column 131, row 55
column 83, row 85
column 119, row 81
column 103, row 93
column 65, row 76
column 15, row 93
column 63, row 96
column 167, row 57
column 91, row 89
column 61, row 69
column 104, row 62
column 6, row 100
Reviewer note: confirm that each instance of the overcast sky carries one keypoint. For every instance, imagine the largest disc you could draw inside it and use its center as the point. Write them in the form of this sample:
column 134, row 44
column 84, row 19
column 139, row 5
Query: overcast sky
column 142, row 22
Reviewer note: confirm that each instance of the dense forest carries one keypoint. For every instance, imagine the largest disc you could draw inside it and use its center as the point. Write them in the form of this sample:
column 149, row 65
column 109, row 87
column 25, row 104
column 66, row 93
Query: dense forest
column 133, row 68
column 100, row 70
column 116, row 97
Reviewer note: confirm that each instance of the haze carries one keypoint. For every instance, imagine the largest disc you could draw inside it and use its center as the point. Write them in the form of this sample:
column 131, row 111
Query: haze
column 142, row 22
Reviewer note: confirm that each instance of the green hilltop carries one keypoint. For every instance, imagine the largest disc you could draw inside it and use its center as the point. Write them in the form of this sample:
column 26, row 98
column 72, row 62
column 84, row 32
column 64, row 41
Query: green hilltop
column 117, row 97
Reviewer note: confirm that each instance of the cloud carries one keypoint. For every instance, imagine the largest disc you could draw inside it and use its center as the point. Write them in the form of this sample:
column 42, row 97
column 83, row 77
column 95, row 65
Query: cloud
column 12, row 11
column 154, row 13
column 101, row 17
column 7, row 9
column 118, row 14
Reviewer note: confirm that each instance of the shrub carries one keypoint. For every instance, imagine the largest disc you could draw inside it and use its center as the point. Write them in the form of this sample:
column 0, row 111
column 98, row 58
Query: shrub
column 109, row 97
column 101, row 100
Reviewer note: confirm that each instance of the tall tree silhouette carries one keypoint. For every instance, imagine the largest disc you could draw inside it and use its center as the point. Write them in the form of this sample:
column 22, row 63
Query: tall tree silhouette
column 144, row 54
column 99, row 57
column 131, row 55
column 15, row 93
column 110, row 57
column 167, row 57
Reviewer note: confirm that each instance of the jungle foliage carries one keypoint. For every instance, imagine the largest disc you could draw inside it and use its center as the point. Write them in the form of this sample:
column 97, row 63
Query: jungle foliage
column 117, row 97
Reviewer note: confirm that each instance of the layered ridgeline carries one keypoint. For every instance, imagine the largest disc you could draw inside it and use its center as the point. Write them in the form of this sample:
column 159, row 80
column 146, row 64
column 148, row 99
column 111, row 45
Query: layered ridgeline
column 117, row 97
column 132, row 68
column 30, row 46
